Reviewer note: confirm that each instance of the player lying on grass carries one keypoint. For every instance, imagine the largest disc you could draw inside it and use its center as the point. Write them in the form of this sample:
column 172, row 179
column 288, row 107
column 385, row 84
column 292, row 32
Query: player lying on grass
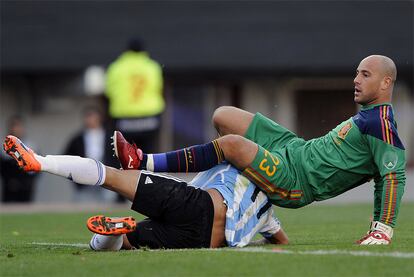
column 294, row 172
column 219, row 208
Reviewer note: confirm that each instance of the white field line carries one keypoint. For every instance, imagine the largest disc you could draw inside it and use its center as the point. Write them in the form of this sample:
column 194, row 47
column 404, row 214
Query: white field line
column 404, row 255
column 78, row 245
column 401, row 255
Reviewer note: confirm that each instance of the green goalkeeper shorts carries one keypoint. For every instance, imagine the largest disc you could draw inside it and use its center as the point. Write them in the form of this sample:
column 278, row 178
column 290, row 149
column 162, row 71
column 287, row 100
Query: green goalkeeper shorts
column 273, row 170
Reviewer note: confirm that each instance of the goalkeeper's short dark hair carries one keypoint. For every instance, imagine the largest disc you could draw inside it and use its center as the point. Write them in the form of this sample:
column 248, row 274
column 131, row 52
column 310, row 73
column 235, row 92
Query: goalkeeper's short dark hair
column 136, row 44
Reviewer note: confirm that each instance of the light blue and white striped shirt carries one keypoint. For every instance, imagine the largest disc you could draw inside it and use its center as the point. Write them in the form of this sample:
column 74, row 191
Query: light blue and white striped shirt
column 249, row 211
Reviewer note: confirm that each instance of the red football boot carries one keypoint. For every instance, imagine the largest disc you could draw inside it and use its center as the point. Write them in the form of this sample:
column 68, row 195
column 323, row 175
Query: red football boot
column 129, row 155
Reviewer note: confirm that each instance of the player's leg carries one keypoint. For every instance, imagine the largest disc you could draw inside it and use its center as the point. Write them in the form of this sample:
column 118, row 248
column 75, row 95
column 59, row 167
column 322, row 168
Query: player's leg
column 231, row 120
column 255, row 127
column 107, row 243
column 234, row 148
column 123, row 182
column 238, row 150
column 110, row 233
column 110, row 243
column 151, row 195
column 191, row 159
column 83, row 171
column 180, row 216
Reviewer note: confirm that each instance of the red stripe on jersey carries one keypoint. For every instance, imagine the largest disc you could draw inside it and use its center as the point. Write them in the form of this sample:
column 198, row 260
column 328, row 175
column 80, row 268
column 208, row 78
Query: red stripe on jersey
column 384, row 116
column 247, row 172
column 194, row 157
column 267, row 182
column 394, row 198
column 281, row 192
column 269, row 187
column 390, row 198
column 387, row 131
column 382, row 125
column 390, row 127
column 390, row 201
column 386, row 201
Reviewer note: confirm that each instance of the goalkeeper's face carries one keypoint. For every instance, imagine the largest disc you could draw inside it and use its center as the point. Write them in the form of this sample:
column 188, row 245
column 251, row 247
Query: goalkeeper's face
column 367, row 82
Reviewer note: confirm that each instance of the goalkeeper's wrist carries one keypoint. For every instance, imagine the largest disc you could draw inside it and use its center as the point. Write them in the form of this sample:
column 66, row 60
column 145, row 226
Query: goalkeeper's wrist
column 381, row 227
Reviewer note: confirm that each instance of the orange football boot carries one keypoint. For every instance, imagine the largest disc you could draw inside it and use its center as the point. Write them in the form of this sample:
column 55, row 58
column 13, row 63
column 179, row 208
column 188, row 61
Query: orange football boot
column 108, row 226
column 23, row 155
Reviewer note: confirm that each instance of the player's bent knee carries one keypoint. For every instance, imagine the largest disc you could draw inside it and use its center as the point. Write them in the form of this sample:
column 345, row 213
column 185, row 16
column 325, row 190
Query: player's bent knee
column 231, row 141
column 231, row 120
column 219, row 116
column 231, row 144
column 238, row 150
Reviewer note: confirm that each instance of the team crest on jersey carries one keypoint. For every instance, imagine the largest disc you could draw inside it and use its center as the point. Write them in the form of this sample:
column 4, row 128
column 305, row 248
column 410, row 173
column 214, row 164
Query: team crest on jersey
column 389, row 160
column 345, row 130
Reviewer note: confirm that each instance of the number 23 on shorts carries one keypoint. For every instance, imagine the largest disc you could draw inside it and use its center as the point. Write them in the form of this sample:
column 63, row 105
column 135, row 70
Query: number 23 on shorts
column 269, row 166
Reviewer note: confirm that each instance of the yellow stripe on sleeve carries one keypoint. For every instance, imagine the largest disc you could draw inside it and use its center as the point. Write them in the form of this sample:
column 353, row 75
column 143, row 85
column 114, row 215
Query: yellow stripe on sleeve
column 390, row 197
column 387, row 130
column 186, row 161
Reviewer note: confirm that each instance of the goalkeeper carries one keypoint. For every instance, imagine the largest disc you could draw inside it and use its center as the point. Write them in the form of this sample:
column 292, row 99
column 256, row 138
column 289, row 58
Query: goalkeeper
column 294, row 172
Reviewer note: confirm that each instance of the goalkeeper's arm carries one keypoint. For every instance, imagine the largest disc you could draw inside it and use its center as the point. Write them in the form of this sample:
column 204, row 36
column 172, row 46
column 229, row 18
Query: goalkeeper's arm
column 389, row 158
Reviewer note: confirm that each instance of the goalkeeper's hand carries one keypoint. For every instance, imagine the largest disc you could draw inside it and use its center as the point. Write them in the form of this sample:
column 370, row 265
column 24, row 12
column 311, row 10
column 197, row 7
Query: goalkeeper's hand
column 379, row 233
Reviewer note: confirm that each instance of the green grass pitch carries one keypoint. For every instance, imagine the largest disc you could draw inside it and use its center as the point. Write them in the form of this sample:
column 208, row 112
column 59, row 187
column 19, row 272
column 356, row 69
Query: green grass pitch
column 322, row 236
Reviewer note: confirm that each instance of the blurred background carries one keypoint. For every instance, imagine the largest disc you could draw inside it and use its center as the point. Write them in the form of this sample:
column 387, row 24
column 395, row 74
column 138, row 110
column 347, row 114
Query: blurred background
column 293, row 61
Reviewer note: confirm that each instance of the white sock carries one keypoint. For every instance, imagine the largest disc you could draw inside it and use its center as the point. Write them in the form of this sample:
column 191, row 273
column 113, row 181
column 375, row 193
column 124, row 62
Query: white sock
column 101, row 242
column 150, row 162
column 83, row 171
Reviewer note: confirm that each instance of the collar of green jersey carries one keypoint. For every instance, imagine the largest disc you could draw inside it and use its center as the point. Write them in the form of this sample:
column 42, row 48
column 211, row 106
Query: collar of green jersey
column 367, row 107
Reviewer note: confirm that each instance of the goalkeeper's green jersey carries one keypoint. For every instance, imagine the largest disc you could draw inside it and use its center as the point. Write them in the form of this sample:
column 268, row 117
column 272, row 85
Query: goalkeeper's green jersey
column 363, row 147
column 294, row 172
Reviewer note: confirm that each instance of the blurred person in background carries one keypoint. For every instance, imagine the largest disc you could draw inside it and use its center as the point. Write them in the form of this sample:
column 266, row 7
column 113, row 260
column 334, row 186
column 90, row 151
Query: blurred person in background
column 18, row 186
column 134, row 88
column 93, row 141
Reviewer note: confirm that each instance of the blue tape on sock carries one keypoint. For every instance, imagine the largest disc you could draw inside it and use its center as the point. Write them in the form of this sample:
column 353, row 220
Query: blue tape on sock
column 160, row 162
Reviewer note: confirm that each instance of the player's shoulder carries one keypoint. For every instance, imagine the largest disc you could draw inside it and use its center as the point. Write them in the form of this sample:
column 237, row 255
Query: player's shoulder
column 156, row 66
column 378, row 122
column 368, row 118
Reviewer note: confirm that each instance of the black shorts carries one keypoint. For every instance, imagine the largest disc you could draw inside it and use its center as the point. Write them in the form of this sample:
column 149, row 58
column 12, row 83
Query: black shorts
column 179, row 216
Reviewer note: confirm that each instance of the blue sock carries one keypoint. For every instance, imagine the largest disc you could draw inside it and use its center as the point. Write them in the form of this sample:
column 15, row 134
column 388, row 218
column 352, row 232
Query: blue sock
column 193, row 159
